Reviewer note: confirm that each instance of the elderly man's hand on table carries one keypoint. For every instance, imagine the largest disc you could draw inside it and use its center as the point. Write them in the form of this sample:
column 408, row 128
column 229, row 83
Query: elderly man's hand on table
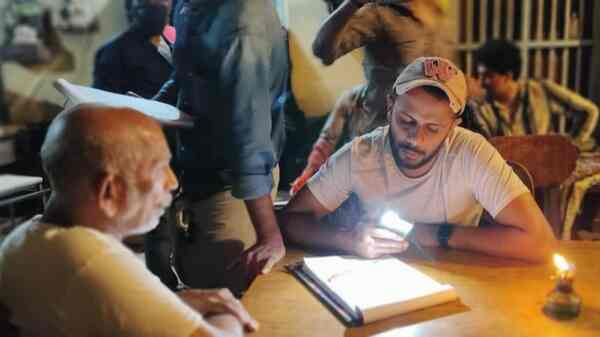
column 209, row 302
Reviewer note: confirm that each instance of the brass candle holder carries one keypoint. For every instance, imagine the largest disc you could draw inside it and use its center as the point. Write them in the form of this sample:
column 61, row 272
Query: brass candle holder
column 562, row 302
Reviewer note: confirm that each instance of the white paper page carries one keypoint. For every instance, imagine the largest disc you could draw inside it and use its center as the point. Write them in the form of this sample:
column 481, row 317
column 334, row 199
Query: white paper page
column 10, row 183
column 372, row 283
column 82, row 94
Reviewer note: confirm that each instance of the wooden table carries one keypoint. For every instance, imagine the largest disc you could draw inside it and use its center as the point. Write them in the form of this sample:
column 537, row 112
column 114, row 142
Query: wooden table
column 499, row 297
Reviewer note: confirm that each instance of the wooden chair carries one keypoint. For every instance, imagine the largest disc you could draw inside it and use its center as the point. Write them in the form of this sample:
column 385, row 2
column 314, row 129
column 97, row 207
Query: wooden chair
column 585, row 180
column 550, row 159
column 523, row 173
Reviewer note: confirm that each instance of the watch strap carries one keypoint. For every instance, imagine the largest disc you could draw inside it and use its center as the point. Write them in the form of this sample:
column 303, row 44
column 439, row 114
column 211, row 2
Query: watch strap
column 444, row 233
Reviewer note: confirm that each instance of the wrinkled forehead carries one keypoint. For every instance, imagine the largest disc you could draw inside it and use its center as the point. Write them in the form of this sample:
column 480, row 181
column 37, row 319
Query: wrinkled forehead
column 149, row 154
column 153, row 140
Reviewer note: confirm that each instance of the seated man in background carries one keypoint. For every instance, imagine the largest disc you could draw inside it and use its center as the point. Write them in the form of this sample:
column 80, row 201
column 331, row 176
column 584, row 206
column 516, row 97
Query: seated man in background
column 508, row 107
column 66, row 272
column 140, row 59
column 431, row 172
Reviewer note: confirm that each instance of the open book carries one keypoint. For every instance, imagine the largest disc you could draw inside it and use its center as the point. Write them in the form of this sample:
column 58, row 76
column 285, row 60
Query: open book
column 362, row 291
column 78, row 94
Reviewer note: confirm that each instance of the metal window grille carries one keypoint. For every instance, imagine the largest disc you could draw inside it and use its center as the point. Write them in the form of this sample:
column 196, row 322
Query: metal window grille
column 556, row 37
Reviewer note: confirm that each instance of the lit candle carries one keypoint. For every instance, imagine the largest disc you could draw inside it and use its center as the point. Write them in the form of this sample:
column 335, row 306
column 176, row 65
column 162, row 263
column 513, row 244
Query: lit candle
column 565, row 270
column 563, row 302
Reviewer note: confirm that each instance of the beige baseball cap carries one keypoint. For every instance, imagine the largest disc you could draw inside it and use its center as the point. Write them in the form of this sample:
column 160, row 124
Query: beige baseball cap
column 437, row 72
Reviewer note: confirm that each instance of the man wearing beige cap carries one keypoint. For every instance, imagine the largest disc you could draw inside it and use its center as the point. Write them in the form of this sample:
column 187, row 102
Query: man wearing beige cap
column 430, row 172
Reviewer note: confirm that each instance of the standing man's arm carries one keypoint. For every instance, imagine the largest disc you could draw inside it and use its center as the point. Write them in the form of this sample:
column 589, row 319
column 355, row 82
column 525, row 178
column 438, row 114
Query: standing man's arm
column 344, row 30
column 245, row 76
column 269, row 248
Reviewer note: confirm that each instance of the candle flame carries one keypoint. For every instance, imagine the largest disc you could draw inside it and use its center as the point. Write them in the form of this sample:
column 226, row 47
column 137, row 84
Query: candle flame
column 561, row 263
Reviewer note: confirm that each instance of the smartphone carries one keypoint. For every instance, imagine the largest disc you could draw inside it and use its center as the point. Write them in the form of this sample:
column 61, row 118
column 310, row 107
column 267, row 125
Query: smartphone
column 392, row 222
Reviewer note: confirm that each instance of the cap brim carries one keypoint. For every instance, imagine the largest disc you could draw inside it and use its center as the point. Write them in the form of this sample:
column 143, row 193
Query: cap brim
column 454, row 102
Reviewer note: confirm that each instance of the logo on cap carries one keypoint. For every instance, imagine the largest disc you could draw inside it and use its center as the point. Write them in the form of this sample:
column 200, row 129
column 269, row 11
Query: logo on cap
column 439, row 69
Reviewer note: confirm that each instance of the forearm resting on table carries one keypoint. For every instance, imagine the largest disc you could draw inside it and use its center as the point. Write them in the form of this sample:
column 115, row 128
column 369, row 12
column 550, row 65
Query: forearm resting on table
column 521, row 231
column 300, row 224
column 500, row 240
column 303, row 228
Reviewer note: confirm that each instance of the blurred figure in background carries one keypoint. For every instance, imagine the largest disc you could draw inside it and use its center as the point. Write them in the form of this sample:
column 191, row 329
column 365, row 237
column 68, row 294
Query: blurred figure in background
column 140, row 59
column 504, row 105
column 231, row 74
column 393, row 33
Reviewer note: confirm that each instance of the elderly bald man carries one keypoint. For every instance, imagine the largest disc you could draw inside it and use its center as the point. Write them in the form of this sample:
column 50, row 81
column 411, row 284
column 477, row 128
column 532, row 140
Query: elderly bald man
column 66, row 272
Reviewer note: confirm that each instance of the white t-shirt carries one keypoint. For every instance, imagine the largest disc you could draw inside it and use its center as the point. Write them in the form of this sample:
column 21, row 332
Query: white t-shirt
column 468, row 173
column 80, row 282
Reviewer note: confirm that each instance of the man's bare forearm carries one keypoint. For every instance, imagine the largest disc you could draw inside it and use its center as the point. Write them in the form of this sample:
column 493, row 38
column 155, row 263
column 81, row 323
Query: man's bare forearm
column 503, row 241
column 323, row 45
column 520, row 231
column 263, row 217
column 306, row 230
column 334, row 126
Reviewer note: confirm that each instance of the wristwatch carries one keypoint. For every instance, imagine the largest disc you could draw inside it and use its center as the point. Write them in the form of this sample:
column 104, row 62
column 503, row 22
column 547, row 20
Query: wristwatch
column 444, row 233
